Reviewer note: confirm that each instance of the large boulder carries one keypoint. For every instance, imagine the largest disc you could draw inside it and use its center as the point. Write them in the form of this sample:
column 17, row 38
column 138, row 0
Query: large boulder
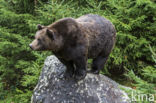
column 53, row 88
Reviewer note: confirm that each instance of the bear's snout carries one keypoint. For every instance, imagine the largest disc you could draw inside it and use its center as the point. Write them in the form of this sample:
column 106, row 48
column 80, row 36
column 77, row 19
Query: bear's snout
column 30, row 45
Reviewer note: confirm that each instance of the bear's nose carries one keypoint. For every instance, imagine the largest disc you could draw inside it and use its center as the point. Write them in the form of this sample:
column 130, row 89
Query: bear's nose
column 30, row 45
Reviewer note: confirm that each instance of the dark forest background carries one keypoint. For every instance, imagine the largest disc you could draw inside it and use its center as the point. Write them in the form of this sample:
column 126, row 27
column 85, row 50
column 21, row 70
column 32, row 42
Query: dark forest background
column 132, row 62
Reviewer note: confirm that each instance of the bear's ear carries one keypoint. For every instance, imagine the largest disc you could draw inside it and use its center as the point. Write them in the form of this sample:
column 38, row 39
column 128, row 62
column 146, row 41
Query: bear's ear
column 50, row 34
column 39, row 27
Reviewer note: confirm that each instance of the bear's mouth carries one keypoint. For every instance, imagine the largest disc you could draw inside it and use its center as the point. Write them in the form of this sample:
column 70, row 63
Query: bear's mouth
column 31, row 47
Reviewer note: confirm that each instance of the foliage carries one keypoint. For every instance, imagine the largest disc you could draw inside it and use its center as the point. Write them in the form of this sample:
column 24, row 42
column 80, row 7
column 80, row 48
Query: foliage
column 135, row 22
column 19, row 66
column 26, row 6
column 146, row 84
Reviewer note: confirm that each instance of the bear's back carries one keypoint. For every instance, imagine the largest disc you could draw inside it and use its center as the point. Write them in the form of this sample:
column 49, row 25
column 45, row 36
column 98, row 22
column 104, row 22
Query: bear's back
column 91, row 18
column 98, row 29
column 97, row 23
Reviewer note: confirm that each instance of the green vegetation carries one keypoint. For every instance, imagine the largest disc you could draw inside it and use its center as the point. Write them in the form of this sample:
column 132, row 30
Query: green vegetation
column 132, row 60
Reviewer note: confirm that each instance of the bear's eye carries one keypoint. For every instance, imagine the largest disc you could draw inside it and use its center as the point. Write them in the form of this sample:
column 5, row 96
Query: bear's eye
column 39, row 39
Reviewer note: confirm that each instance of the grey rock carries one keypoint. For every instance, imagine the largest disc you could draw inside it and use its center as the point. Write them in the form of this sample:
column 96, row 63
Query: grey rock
column 53, row 88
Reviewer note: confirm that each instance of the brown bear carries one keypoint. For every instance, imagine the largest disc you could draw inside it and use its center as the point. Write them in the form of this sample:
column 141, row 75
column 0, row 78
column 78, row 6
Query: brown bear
column 73, row 41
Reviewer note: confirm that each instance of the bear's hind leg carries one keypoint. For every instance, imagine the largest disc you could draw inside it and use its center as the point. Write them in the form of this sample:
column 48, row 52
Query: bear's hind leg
column 98, row 64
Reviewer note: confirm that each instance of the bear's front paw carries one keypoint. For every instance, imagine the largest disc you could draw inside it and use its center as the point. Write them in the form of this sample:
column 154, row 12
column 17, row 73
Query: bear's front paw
column 68, row 75
column 80, row 74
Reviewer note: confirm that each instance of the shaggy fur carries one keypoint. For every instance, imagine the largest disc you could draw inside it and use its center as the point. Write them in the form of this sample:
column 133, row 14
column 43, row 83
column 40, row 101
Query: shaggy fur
column 73, row 41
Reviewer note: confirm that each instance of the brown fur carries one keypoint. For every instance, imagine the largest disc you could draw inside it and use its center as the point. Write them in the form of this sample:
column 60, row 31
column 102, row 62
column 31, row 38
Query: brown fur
column 73, row 41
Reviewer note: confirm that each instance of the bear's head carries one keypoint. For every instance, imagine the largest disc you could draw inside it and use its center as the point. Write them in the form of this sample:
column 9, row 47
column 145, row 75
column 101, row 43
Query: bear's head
column 46, row 39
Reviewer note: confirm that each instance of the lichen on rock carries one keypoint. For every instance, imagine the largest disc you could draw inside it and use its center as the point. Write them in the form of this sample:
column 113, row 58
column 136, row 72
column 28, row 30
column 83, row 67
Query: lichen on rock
column 53, row 88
